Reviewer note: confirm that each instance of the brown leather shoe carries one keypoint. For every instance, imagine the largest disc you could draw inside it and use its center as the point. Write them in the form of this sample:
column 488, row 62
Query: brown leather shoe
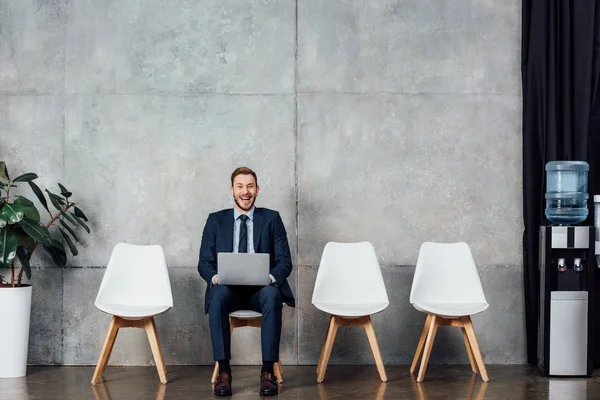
column 223, row 385
column 268, row 384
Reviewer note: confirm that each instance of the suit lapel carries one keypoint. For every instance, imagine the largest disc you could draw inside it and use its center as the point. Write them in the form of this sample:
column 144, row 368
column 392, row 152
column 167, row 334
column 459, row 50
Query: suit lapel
column 257, row 228
column 228, row 230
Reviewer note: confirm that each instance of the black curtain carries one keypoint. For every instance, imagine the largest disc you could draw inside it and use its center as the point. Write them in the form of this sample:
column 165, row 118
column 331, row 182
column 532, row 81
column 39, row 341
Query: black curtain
column 561, row 117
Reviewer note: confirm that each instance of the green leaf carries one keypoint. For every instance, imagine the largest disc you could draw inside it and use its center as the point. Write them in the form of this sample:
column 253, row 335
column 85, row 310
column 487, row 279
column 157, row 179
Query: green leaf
column 3, row 171
column 2, row 185
column 57, row 197
column 55, row 200
column 64, row 191
column 69, row 218
column 69, row 242
column 24, row 257
column 3, row 221
column 57, row 252
column 25, row 201
column 81, row 222
column 23, row 239
column 39, row 194
column 29, row 208
column 32, row 213
column 36, row 231
column 12, row 213
column 67, row 227
column 80, row 214
column 25, row 177
column 8, row 248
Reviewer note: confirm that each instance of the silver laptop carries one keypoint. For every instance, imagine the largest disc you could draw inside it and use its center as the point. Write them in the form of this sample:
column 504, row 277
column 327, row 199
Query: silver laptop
column 250, row 269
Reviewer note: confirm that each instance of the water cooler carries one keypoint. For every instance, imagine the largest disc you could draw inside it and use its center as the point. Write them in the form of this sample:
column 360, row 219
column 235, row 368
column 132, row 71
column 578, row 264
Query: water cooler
column 567, row 268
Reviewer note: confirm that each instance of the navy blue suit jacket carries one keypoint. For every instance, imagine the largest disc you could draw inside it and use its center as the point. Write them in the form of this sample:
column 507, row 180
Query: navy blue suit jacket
column 269, row 237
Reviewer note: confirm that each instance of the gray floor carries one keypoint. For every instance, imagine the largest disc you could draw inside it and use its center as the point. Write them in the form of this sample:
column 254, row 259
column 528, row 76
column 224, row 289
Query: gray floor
column 341, row 382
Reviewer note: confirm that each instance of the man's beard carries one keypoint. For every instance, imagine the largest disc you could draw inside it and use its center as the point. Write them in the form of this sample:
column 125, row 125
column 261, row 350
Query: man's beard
column 242, row 207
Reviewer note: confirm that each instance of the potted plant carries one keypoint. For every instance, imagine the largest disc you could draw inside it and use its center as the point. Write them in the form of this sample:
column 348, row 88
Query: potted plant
column 21, row 232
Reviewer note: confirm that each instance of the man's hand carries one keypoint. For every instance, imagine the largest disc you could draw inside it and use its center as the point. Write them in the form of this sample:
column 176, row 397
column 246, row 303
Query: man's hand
column 215, row 280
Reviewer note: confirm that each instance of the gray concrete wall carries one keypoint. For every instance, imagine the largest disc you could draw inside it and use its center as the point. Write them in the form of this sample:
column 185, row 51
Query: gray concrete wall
column 392, row 121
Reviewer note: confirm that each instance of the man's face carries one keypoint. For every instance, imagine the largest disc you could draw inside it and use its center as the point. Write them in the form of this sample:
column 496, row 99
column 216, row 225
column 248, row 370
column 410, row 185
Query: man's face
column 244, row 191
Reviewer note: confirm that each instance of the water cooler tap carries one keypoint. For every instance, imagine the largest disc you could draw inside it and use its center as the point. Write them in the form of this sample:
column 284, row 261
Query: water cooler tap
column 562, row 266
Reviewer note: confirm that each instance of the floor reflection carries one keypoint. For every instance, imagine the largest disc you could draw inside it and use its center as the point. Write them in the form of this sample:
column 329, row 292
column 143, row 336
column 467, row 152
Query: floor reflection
column 377, row 387
column 342, row 382
column 14, row 388
column 101, row 391
column 560, row 389
column 475, row 387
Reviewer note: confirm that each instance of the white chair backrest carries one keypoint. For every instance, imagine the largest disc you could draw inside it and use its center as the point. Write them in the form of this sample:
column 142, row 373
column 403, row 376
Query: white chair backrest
column 136, row 275
column 349, row 273
column 446, row 273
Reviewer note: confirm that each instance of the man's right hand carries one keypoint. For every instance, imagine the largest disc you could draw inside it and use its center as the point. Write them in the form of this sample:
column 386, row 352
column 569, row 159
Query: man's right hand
column 215, row 280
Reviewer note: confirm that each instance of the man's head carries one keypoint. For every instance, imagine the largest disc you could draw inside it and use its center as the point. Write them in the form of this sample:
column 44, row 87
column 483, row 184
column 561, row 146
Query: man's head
column 244, row 188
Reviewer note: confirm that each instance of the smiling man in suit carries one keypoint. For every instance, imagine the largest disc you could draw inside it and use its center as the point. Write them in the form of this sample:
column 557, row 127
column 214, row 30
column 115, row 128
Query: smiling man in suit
column 242, row 229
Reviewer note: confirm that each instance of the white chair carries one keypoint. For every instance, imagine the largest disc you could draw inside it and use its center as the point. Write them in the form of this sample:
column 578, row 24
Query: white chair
column 350, row 287
column 135, row 288
column 238, row 319
column 447, row 288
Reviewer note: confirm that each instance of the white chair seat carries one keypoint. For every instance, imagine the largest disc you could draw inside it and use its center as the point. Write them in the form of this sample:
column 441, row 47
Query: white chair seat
column 451, row 310
column 352, row 310
column 128, row 311
column 245, row 314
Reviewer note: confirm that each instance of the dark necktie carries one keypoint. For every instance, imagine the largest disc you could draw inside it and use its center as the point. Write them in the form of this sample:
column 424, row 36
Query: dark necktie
column 243, row 244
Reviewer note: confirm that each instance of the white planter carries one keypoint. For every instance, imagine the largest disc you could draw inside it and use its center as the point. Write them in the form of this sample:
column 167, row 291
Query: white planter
column 15, row 310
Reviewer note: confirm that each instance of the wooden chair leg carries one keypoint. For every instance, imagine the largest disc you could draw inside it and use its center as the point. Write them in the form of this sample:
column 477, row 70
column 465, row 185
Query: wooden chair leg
column 375, row 349
column 469, row 350
column 324, row 339
column 420, row 345
column 278, row 371
column 213, row 379
column 428, row 346
column 106, row 349
column 156, row 350
column 333, row 327
column 468, row 324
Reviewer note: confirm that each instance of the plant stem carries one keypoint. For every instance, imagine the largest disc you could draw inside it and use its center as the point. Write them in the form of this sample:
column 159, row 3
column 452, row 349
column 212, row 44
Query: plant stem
column 7, row 193
column 12, row 274
column 57, row 216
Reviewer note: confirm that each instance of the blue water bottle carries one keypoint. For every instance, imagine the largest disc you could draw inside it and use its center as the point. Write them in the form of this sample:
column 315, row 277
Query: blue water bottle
column 566, row 192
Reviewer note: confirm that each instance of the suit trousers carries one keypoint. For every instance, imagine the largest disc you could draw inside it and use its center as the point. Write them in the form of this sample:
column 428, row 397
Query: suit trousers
column 266, row 300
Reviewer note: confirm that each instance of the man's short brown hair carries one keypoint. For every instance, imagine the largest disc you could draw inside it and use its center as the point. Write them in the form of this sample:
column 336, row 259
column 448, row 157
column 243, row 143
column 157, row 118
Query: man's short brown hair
column 243, row 171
